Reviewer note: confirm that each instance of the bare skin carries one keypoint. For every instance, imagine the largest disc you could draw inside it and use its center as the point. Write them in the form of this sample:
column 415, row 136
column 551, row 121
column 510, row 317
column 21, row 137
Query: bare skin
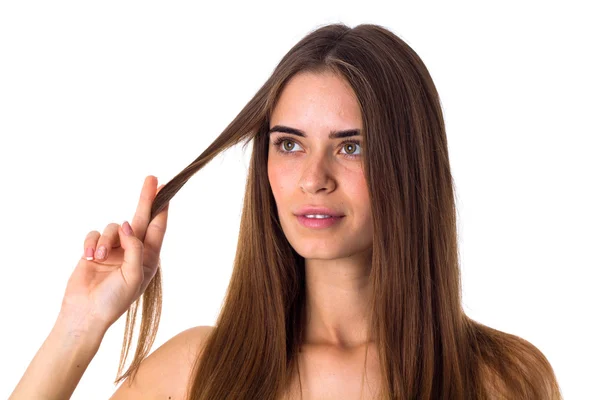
column 329, row 373
column 325, row 373
column 321, row 172
column 317, row 170
column 98, row 292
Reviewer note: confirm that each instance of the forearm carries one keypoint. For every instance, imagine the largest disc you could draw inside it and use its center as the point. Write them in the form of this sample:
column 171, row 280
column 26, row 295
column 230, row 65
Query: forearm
column 60, row 362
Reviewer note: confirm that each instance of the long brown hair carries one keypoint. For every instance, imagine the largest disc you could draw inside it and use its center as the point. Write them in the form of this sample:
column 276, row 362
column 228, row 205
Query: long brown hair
column 427, row 347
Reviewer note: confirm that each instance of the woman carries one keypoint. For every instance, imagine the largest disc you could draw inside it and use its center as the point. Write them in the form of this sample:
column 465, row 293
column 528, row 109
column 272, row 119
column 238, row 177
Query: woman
column 346, row 279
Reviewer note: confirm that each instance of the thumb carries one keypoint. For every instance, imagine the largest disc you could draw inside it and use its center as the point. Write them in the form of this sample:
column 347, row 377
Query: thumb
column 133, row 257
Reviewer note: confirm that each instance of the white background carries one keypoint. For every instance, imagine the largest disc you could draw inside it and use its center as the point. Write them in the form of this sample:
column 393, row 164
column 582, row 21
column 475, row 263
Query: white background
column 94, row 96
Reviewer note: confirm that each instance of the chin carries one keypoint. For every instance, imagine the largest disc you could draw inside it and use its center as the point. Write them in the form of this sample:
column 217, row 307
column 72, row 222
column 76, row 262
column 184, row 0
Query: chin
column 319, row 249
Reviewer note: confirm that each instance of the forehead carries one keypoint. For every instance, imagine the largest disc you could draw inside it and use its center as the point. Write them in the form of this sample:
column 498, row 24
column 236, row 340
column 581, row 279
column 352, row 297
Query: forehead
column 311, row 98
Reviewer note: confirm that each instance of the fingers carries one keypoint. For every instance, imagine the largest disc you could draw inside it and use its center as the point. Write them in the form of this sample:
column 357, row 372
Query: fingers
column 153, row 244
column 109, row 240
column 155, row 234
column 89, row 245
column 149, row 233
column 98, row 247
column 140, row 241
column 133, row 255
column 140, row 220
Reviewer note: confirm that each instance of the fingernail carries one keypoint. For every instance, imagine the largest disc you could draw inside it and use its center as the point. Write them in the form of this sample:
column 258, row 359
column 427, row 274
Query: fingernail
column 101, row 252
column 127, row 228
column 89, row 254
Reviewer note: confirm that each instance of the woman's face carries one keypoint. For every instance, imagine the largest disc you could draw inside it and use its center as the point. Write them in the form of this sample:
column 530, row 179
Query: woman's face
column 316, row 170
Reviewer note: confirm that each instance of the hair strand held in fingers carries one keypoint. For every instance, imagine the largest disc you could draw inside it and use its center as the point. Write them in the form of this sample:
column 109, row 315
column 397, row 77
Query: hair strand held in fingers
column 425, row 345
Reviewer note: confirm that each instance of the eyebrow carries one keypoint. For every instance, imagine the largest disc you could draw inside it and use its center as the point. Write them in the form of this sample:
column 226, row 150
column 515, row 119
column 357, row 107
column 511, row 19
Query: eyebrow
column 332, row 135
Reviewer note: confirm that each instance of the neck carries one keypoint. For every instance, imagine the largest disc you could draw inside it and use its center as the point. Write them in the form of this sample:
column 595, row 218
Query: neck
column 338, row 295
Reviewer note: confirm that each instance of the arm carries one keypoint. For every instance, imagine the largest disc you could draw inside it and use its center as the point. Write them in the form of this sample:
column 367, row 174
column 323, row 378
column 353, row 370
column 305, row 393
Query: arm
column 60, row 362
column 101, row 288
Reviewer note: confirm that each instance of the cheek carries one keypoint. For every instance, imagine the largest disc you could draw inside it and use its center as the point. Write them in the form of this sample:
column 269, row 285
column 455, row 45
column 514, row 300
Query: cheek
column 360, row 193
column 279, row 179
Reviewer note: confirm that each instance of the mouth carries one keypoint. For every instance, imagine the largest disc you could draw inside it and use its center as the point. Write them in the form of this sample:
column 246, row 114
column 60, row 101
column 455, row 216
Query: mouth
column 318, row 221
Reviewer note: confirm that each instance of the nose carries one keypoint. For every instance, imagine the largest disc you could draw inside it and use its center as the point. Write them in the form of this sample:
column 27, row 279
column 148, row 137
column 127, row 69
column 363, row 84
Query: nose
column 317, row 175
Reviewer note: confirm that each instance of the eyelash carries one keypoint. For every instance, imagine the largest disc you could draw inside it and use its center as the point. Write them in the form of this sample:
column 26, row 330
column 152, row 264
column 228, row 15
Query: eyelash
column 277, row 143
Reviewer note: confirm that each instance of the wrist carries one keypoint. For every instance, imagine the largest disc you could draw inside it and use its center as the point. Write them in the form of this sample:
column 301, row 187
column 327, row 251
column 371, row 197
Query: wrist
column 81, row 326
column 62, row 359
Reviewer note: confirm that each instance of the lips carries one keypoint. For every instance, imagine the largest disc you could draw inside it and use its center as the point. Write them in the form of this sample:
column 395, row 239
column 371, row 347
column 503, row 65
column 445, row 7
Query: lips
column 318, row 223
column 312, row 210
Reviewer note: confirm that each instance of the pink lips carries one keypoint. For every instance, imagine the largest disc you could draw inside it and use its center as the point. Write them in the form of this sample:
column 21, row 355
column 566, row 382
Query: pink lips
column 318, row 223
column 312, row 210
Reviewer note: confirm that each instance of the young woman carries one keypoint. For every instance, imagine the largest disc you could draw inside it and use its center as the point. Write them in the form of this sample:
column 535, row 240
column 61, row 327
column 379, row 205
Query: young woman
column 346, row 279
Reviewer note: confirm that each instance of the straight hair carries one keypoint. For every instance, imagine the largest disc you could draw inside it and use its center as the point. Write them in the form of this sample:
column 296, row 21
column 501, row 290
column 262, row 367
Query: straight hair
column 428, row 348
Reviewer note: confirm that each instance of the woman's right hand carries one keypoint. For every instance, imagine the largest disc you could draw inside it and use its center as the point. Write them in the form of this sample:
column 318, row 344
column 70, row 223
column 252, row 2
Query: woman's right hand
column 103, row 286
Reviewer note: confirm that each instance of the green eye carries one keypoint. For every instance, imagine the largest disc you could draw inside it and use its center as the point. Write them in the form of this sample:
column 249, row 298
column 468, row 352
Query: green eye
column 349, row 146
column 291, row 145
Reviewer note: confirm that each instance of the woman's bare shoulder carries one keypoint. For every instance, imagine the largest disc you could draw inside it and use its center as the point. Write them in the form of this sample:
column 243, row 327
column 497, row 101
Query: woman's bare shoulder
column 165, row 373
